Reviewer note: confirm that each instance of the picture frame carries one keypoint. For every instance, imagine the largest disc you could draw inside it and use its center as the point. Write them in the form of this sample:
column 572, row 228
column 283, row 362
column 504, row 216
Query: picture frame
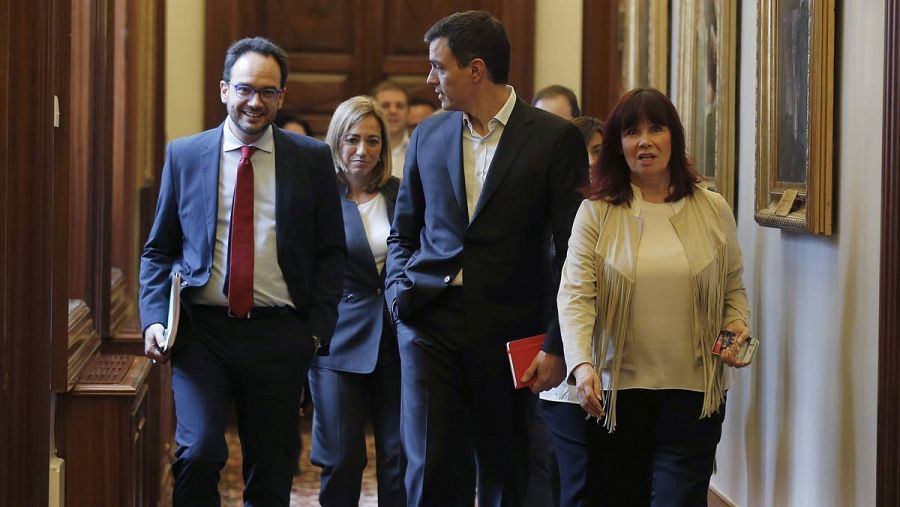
column 795, row 115
column 644, row 25
column 705, row 92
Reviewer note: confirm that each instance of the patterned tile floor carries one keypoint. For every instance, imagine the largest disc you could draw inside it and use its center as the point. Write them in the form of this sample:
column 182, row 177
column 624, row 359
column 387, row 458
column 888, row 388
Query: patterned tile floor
column 305, row 490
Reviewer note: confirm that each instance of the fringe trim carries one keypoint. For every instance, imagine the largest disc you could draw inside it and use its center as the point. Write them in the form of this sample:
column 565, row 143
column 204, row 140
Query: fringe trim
column 613, row 305
column 709, row 306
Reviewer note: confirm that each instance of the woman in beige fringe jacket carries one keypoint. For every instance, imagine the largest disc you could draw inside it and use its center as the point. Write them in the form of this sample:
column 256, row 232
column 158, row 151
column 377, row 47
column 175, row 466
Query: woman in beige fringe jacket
column 653, row 274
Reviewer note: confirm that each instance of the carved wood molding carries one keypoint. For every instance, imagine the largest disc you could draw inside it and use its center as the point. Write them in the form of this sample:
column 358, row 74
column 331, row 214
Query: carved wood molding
column 83, row 340
column 888, row 461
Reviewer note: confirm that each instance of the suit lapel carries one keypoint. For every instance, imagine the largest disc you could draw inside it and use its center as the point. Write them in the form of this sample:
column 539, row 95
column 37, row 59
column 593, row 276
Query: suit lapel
column 515, row 135
column 389, row 191
column 452, row 134
column 390, row 197
column 357, row 240
column 209, row 160
column 285, row 175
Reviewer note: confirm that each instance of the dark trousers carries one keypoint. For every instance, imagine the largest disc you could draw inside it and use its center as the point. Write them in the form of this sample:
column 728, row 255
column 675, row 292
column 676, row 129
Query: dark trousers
column 344, row 402
column 660, row 454
column 543, row 470
column 259, row 365
column 457, row 396
column 569, row 431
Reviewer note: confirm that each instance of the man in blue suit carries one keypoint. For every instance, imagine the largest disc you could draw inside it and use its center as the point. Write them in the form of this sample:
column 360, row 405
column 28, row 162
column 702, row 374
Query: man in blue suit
column 483, row 188
column 250, row 216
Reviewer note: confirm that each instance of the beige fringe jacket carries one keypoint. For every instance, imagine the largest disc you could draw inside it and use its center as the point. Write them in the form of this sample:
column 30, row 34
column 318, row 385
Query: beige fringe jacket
column 595, row 293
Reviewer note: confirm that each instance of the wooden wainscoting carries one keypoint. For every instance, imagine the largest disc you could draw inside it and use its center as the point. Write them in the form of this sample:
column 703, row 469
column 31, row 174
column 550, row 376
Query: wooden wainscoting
column 716, row 498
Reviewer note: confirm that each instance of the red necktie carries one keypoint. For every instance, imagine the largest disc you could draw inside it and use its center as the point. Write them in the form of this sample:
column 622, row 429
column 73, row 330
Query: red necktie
column 240, row 275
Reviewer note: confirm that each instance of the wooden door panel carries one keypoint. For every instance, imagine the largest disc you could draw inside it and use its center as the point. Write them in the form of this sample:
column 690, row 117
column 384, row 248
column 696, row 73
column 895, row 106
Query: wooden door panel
column 406, row 21
column 326, row 44
column 341, row 48
column 313, row 26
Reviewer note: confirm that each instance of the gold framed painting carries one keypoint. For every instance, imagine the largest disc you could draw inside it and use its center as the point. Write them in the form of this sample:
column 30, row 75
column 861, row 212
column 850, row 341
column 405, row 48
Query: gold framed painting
column 705, row 93
column 644, row 25
column 795, row 115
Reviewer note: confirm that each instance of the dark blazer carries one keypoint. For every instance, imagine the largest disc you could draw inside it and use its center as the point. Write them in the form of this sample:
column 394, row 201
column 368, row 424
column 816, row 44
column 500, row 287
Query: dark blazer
column 362, row 312
column 531, row 190
column 311, row 248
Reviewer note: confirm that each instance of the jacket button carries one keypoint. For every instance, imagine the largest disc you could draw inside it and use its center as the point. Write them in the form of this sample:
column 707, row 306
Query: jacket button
column 379, row 291
column 447, row 279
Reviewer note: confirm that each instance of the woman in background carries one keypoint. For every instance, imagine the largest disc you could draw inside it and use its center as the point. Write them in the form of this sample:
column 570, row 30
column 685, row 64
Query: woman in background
column 563, row 416
column 652, row 275
column 360, row 379
column 592, row 130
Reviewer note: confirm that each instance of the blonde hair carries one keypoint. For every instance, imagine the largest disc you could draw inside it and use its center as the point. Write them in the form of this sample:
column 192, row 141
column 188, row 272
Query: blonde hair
column 349, row 113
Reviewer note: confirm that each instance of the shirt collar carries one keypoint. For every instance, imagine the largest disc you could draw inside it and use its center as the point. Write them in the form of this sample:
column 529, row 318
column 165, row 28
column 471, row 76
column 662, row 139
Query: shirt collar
column 502, row 116
column 230, row 142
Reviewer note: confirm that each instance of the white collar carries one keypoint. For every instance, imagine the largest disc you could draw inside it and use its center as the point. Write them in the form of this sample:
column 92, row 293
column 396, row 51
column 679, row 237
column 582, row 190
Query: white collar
column 230, row 142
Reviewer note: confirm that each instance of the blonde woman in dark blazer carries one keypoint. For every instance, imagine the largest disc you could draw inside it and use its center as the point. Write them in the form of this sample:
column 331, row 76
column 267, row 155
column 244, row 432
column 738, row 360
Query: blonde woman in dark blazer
column 360, row 379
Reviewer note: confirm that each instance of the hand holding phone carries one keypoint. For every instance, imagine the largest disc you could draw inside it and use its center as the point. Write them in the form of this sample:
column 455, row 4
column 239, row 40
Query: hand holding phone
column 745, row 351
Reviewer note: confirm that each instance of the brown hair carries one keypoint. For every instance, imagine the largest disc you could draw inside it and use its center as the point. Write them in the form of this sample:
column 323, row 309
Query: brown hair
column 611, row 179
column 558, row 91
column 588, row 126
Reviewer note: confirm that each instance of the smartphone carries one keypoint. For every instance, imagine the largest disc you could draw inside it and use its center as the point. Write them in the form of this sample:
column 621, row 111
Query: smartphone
column 745, row 354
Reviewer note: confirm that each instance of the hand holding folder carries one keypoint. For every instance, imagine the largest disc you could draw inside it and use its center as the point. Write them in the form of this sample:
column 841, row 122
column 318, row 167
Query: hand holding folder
column 521, row 354
column 171, row 331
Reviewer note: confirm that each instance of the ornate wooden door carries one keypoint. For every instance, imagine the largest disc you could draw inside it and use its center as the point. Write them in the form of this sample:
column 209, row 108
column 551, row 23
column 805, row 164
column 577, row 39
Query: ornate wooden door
column 342, row 48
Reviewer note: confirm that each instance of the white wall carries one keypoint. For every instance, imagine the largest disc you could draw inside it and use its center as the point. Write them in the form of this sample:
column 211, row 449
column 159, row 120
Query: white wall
column 557, row 45
column 801, row 423
column 185, row 83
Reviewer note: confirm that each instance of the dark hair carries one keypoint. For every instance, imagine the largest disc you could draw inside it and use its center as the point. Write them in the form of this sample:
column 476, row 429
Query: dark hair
column 283, row 119
column 555, row 91
column 419, row 101
column 259, row 45
column 475, row 34
column 611, row 180
column 588, row 126
column 389, row 85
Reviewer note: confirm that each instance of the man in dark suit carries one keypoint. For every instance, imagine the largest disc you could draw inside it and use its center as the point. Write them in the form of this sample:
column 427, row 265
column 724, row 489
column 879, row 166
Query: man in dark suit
column 483, row 186
column 250, row 216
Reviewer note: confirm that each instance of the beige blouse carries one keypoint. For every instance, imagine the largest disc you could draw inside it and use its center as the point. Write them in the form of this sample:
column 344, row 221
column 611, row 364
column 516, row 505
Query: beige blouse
column 596, row 292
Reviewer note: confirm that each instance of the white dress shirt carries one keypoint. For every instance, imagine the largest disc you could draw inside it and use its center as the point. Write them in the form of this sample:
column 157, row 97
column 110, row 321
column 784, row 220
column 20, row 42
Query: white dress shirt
column 478, row 153
column 398, row 155
column 269, row 287
column 375, row 221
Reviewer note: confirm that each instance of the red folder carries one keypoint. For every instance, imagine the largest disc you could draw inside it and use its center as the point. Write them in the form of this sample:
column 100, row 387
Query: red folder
column 521, row 354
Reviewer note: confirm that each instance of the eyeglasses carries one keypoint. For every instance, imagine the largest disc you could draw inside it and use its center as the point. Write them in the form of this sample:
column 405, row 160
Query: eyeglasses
column 246, row 92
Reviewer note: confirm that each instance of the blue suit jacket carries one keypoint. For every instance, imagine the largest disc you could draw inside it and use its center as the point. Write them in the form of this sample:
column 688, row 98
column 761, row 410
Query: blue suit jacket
column 530, row 191
column 362, row 313
column 309, row 226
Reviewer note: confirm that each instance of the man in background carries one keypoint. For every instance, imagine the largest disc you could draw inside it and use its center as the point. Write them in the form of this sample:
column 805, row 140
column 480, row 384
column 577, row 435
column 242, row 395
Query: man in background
column 394, row 101
column 419, row 109
column 558, row 100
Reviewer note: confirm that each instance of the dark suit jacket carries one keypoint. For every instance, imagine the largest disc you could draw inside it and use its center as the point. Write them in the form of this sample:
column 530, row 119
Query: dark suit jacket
column 531, row 189
column 362, row 313
column 309, row 227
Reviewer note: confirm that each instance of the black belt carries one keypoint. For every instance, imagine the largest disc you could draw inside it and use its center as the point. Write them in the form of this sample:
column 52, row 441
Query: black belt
column 257, row 312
